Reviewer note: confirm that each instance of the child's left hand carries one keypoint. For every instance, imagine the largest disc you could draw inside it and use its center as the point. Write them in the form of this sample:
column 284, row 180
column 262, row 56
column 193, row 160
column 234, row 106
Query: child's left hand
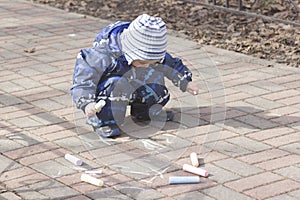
column 192, row 88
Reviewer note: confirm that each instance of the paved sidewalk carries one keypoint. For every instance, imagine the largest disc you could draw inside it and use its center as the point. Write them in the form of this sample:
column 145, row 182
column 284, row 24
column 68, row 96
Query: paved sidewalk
column 244, row 125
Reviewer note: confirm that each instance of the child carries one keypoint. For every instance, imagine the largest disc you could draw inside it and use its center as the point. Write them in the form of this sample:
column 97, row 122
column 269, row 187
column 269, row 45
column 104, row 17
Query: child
column 127, row 66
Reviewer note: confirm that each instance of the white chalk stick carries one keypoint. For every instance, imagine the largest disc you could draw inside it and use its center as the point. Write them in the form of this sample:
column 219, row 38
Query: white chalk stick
column 194, row 159
column 95, row 171
column 73, row 159
column 195, row 170
column 100, row 105
column 92, row 180
column 184, row 179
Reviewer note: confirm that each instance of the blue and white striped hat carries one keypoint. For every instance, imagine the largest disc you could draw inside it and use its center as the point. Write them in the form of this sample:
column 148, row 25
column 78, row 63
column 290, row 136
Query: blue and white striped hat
column 144, row 39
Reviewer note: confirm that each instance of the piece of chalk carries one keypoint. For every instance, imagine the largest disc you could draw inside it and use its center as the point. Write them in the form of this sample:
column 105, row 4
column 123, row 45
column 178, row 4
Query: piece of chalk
column 195, row 93
column 100, row 105
column 194, row 159
column 184, row 179
column 73, row 159
column 195, row 170
column 92, row 180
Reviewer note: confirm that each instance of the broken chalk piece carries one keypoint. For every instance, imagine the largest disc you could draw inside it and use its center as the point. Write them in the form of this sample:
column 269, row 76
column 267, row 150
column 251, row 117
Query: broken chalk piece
column 195, row 170
column 194, row 159
column 73, row 159
column 100, row 105
column 195, row 93
column 184, row 179
column 92, row 180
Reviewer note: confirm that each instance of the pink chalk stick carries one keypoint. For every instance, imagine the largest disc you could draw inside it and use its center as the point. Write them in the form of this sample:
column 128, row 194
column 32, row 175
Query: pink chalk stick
column 195, row 170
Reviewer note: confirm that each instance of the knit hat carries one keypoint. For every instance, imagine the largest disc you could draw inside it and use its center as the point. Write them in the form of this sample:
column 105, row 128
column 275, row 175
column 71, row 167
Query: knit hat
column 144, row 39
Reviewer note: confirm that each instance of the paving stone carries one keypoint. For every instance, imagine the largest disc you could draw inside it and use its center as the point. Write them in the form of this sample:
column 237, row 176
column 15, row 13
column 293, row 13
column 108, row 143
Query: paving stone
column 273, row 189
column 290, row 100
column 250, row 89
column 26, row 138
column 9, row 100
column 227, row 148
column 36, row 158
column 263, row 156
column 295, row 125
column 72, row 143
column 52, row 168
column 138, row 191
column 221, row 192
column 47, row 104
column 220, row 175
column 291, row 172
column 213, row 136
column 193, row 195
column 84, row 187
column 282, row 94
column 239, row 127
column 25, row 122
column 14, row 173
column 30, row 150
column 270, row 133
column 79, row 197
column 249, row 144
column 8, row 145
column 10, row 87
column 292, row 148
column 32, row 91
column 257, row 122
column 263, row 103
column 283, row 140
column 53, row 189
column 10, row 196
column 254, row 181
column 284, row 79
column 283, row 196
column 28, row 194
column 287, row 119
column 107, row 194
column 295, row 193
column 27, row 83
column 279, row 162
column 25, row 180
column 7, row 164
column 238, row 167
column 267, row 85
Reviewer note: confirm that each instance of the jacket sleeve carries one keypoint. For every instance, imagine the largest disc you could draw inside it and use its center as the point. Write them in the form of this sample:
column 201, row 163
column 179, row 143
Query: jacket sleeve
column 176, row 71
column 89, row 67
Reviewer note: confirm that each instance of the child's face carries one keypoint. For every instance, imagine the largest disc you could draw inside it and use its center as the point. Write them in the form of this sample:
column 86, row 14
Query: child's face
column 143, row 63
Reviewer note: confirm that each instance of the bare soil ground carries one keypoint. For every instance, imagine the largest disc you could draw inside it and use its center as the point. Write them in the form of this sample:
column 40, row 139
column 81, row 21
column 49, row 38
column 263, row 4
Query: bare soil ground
column 252, row 36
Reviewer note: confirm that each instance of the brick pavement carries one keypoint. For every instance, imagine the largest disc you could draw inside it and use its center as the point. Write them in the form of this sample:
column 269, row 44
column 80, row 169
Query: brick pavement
column 252, row 152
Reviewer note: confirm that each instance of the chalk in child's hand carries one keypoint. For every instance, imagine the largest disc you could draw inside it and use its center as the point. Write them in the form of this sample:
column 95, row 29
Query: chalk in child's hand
column 73, row 159
column 184, row 179
column 100, row 105
column 195, row 93
column 195, row 170
column 194, row 159
column 92, row 180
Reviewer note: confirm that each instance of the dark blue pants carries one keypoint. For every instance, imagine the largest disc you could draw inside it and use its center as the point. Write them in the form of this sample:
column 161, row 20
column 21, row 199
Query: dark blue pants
column 146, row 89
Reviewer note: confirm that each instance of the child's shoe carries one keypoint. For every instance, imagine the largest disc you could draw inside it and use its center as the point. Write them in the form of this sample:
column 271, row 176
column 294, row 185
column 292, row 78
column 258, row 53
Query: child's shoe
column 108, row 131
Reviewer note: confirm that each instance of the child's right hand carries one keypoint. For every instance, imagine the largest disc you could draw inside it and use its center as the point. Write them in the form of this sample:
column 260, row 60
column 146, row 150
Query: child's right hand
column 90, row 109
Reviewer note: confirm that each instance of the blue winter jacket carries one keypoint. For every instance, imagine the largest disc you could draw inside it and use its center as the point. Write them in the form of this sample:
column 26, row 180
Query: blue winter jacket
column 106, row 59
